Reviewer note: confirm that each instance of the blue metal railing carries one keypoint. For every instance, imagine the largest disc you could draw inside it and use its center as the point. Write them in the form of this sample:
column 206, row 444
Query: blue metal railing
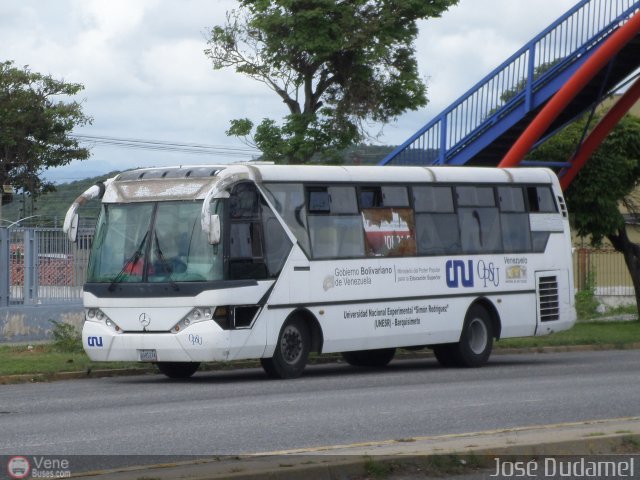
column 513, row 85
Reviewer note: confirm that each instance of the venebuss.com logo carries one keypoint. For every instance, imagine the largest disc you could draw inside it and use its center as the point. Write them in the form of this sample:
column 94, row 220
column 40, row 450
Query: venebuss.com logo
column 458, row 273
column 18, row 467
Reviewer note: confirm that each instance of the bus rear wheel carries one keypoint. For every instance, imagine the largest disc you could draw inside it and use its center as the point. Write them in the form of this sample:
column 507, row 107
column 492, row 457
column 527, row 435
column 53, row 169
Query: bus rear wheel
column 476, row 340
column 475, row 345
column 178, row 369
column 370, row 358
column 445, row 354
column 292, row 351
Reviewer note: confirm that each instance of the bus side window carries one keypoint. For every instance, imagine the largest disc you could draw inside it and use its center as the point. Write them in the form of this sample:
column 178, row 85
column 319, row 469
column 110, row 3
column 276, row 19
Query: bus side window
column 288, row 199
column 276, row 242
column 335, row 226
column 370, row 197
column 385, row 196
column 541, row 200
column 479, row 220
column 514, row 220
column 246, row 259
column 437, row 231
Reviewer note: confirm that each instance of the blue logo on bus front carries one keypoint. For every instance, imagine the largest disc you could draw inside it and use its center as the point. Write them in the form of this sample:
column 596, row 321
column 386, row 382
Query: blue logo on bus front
column 457, row 272
column 94, row 341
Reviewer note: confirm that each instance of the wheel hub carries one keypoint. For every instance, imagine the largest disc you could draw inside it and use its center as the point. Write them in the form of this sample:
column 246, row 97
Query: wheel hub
column 478, row 337
column 291, row 344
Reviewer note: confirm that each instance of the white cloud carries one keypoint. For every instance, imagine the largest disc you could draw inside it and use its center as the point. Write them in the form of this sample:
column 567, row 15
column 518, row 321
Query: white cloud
column 146, row 75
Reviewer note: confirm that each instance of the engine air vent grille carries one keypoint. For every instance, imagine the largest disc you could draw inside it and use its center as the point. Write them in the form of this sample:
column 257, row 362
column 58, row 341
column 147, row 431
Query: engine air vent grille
column 548, row 299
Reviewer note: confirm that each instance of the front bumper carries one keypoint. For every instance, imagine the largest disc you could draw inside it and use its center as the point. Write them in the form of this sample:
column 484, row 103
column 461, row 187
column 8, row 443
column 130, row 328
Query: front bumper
column 201, row 342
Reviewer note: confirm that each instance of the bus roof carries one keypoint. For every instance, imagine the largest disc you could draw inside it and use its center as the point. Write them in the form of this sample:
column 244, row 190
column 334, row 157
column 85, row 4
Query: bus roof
column 397, row 174
column 194, row 182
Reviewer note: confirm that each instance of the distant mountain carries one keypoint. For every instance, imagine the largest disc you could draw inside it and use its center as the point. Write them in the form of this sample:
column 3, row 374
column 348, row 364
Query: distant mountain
column 48, row 210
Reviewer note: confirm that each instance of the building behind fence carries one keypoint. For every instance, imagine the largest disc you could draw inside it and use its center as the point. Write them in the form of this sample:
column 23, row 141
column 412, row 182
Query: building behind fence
column 40, row 266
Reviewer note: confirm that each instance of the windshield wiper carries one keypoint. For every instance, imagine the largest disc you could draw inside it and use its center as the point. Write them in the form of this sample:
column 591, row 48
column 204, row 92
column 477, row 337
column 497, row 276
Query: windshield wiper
column 165, row 265
column 133, row 259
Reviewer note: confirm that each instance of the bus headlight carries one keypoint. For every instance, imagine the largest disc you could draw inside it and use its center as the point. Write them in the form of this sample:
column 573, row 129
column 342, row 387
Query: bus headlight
column 97, row 315
column 198, row 314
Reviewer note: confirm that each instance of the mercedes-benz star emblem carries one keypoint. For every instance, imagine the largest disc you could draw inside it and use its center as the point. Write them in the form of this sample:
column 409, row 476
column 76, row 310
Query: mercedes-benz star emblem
column 144, row 319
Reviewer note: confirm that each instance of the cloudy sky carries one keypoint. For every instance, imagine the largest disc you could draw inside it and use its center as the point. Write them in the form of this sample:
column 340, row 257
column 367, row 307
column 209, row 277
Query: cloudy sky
column 146, row 76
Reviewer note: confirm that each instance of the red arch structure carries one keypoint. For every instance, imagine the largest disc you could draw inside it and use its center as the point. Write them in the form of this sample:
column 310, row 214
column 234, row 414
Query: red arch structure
column 598, row 60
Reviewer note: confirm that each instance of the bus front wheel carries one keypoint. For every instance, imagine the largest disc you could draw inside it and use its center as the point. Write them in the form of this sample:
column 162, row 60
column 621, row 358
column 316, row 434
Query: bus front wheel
column 370, row 358
column 178, row 369
column 292, row 351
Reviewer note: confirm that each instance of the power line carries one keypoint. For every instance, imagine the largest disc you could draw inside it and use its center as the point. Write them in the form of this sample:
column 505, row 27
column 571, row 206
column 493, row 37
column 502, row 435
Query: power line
column 168, row 146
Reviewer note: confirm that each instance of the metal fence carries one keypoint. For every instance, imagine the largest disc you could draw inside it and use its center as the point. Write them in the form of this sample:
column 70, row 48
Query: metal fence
column 603, row 270
column 41, row 266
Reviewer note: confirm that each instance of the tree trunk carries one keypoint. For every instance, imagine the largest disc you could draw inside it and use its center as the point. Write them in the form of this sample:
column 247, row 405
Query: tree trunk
column 631, row 253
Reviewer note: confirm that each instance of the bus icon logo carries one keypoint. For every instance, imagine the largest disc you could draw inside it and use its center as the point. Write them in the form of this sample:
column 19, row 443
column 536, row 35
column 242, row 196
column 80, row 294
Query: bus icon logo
column 458, row 272
column 94, row 341
column 18, row 467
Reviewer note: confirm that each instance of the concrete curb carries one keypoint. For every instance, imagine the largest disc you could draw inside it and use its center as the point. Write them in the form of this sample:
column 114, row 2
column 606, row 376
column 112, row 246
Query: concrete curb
column 459, row 453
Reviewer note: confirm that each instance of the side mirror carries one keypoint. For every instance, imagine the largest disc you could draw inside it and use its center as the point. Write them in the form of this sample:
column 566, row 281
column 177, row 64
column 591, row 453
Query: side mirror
column 70, row 226
column 73, row 229
column 214, row 229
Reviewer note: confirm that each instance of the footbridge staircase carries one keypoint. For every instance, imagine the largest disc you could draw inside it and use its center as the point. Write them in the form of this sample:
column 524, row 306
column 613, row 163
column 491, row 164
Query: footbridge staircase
column 588, row 53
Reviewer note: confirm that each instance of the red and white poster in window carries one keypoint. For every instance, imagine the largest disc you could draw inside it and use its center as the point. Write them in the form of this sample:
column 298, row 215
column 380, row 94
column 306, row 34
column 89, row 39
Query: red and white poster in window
column 389, row 232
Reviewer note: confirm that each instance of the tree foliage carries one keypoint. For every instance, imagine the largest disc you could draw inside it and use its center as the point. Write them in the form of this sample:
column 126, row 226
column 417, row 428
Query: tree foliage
column 35, row 122
column 606, row 183
column 336, row 65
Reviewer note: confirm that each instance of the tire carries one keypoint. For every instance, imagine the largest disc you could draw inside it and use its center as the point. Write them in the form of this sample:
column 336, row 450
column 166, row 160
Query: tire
column 292, row 351
column 178, row 369
column 445, row 355
column 476, row 340
column 370, row 358
column 475, row 345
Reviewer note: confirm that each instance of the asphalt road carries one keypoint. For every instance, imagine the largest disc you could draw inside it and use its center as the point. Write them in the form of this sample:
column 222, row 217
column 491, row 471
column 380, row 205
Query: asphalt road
column 241, row 411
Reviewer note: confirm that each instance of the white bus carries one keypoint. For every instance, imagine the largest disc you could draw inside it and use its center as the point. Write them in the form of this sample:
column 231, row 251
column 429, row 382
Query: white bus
column 220, row 263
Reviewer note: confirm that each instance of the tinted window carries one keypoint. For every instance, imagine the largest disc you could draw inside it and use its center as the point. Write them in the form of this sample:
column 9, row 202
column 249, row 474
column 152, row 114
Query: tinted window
column 541, row 200
column 370, row 197
column 479, row 230
column 246, row 259
column 437, row 234
column 395, row 197
column 319, row 201
column 343, row 200
column 516, row 236
column 276, row 242
column 511, row 199
column 475, row 196
column 336, row 236
column 433, row 199
column 288, row 200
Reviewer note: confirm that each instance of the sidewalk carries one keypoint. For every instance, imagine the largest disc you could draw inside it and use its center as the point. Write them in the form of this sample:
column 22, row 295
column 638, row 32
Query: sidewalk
column 612, row 436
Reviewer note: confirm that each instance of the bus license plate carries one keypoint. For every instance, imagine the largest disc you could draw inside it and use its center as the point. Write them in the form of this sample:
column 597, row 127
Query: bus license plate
column 147, row 355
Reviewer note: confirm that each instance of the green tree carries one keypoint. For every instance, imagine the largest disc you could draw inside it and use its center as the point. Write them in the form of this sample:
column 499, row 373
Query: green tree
column 607, row 182
column 35, row 123
column 335, row 64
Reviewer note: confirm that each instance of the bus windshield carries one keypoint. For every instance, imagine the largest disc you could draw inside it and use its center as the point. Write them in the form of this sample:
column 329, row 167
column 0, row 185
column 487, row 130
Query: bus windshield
column 153, row 242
